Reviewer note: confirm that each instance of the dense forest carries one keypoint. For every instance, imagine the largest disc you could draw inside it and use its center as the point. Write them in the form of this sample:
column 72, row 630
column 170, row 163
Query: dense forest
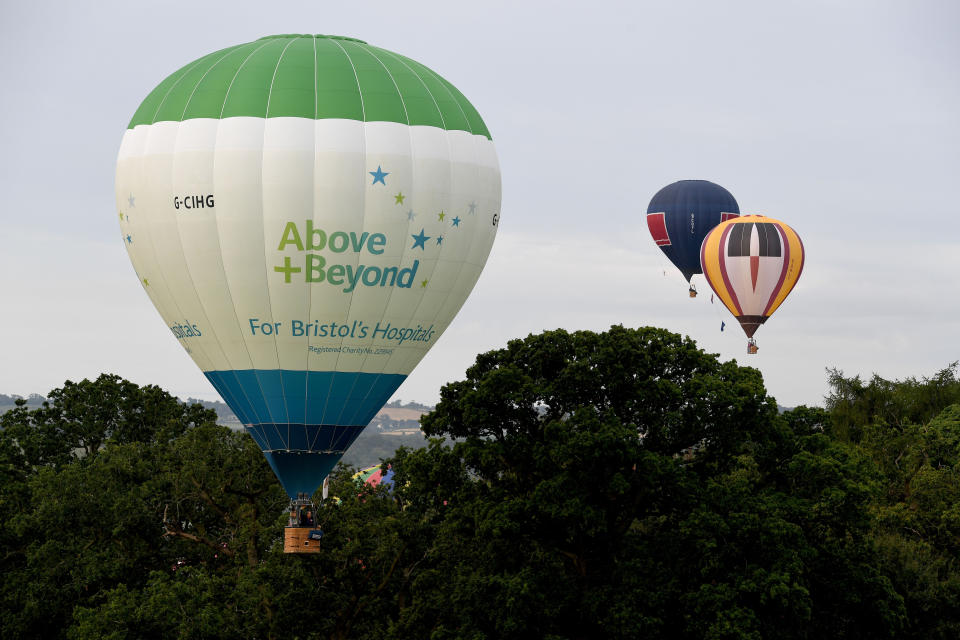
column 623, row 484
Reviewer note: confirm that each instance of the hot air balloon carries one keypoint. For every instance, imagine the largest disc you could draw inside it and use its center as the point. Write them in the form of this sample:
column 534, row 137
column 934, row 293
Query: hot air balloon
column 681, row 214
column 374, row 476
column 307, row 213
column 752, row 263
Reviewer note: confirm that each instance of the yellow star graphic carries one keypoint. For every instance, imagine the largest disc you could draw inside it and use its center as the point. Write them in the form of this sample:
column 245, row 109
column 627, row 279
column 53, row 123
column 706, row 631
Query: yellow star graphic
column 399, row 198
column 121, row 216
column 440, row 215
column 423, row 284
column 146, row 282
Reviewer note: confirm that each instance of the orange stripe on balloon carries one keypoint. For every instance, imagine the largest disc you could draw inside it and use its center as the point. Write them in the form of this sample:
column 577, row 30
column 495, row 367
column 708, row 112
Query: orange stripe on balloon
column 709, row 261
column 792, row 267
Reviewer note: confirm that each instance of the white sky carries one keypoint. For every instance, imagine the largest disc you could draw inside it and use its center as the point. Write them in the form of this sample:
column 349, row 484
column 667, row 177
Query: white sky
column 839, row 118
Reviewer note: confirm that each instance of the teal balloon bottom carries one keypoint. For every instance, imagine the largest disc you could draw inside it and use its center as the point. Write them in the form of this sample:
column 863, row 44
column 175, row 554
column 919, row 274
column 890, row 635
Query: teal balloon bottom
column 304, row 421
column 301, row 472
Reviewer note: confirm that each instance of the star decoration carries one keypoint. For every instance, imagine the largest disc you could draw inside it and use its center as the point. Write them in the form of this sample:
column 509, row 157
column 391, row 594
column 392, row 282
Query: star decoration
column 411, row 215
column 399, row 198
column 439, row 239
column 473, row 208
column 129, row 239
column 146, row 282
column 456, row 221
column 423, row 285
column 121, row 216
column 441, row 215
column 131, row 200
column 420, row 240
column 379, row 175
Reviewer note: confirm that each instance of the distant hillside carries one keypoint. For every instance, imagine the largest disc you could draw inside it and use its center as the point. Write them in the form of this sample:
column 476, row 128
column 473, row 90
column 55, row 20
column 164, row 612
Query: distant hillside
column 225, row 416
column 34, row 400
column 398, row 404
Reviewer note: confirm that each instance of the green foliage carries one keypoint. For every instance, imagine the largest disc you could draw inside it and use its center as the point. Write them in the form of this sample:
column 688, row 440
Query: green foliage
column 628, row 484
column 90, row 478
column 854, row 405
column 621, row 484
column 910, row 429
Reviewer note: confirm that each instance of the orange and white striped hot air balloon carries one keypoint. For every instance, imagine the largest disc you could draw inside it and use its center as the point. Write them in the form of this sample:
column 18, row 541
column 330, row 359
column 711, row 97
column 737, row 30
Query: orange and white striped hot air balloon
column 752, row 263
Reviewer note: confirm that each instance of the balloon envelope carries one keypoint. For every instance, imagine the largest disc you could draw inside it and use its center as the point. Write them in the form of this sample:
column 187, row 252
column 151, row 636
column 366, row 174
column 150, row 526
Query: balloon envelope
column 681, row 214
column 307, row 213
column 752, row 263
column 374, row 476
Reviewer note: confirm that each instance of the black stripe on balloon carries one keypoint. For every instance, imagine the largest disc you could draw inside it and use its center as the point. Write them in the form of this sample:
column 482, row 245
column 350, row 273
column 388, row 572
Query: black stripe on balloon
column 739, row 242
column 769, row 239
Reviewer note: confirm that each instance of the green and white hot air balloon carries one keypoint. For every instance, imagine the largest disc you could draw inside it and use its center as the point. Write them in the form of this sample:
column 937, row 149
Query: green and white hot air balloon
column 308, row 214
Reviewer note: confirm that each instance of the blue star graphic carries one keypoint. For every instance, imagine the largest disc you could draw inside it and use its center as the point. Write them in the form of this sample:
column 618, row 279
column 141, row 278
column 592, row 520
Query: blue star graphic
column 411, row 215
column 129, row 239
column 439, row 239
column 131, row 200
column 420, row 240
column 379, row 175
column 456, row 221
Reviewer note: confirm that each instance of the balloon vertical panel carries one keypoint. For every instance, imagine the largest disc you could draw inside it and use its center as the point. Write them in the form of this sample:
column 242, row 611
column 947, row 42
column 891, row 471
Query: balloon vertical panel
column 428, row 188
column 477, row 177
column 340, row 177
column 197, row 227
column 288, row 176
column 237, row 171
column 196, row 233
column 145, row 169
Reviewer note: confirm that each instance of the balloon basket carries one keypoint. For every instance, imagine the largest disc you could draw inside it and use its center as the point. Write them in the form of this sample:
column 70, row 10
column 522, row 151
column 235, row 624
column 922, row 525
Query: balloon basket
column 752, row 347
column 301, row 540
column 301, row 534
column 693, row 292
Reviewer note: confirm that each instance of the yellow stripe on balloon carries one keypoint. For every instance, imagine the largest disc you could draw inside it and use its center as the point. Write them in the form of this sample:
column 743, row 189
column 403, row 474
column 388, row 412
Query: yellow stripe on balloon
column 794, row 265
column 710, row 263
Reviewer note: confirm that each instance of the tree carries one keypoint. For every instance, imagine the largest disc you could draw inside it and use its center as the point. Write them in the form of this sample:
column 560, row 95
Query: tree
column 629, row 484
column 93, row 472
column 853, row 404
column 623, row 484
column 910, row 429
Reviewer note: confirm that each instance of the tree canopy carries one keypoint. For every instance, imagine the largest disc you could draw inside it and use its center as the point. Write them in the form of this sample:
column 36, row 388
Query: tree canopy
column 619, row 484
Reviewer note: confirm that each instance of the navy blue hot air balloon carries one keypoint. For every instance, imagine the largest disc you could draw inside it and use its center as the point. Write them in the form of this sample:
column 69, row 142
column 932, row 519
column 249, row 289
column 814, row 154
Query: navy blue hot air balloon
column 681, row 214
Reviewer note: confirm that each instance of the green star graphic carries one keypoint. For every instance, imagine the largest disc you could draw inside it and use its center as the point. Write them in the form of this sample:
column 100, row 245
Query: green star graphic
column 121, row 216
column 399, row 198
column 146, row 282
column 423, row 285
column 441, row 215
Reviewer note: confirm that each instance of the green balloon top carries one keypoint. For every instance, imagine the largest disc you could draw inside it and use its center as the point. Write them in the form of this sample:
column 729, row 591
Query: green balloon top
column 310, row 76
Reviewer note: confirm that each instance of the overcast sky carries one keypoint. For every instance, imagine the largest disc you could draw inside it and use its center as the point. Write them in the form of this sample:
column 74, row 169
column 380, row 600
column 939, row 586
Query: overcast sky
column 839, row 118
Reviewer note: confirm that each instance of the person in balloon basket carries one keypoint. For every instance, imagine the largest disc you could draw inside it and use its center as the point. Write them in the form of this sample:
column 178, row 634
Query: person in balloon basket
column 306, row 518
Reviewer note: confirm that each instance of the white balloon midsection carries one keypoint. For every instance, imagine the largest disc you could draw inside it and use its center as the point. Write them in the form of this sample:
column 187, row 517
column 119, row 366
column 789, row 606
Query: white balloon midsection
column 307, row 245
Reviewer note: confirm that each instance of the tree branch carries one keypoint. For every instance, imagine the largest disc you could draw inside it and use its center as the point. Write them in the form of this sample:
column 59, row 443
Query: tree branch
column 173, row 529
